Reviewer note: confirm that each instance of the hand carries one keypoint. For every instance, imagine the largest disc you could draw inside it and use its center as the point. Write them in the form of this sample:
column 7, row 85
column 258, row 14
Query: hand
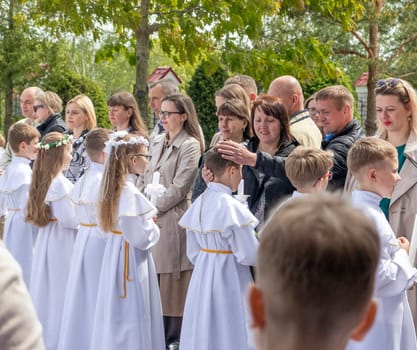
column 207, row 175
column 404, row 243
column 236, row 152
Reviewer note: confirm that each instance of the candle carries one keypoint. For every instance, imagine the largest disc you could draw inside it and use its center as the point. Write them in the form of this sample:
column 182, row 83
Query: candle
column 240, row 189
column 155, row 178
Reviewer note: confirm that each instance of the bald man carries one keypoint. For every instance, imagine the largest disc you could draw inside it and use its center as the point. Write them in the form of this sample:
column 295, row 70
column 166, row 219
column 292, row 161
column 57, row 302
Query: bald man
column 302, row 127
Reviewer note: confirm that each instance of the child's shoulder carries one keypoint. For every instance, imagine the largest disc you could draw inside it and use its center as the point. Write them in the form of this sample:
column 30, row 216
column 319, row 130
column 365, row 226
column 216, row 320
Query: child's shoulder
column 59, row 188
column 133, row 203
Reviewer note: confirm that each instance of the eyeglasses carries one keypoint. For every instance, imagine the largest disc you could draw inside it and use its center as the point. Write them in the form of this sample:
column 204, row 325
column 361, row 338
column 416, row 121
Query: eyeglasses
column 167, row 114
column 387, row 83
column 312, row 110
column 36, row 107
column 148, row 157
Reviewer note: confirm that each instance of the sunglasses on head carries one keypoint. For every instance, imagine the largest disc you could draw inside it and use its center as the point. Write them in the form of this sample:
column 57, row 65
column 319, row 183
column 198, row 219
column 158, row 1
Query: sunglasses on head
column 387, row 83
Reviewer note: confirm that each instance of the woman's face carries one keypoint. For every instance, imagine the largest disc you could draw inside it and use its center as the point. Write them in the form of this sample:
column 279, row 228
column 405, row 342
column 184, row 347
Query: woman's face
column 392, row 114
column 172, row 120
column 231, row 127
column 312, row 110
column 75, row 117
column 119, row 117
column 41, row 111
column 267, row 128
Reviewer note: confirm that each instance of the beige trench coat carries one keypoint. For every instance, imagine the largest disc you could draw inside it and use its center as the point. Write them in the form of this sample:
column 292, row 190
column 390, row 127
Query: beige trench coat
column 178, row 167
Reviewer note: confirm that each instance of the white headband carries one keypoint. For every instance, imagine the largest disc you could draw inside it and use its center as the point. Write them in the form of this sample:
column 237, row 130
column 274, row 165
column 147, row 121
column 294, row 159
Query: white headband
column 112, row 143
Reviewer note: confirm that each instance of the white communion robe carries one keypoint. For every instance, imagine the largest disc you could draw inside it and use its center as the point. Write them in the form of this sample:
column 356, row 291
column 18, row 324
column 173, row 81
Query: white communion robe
column 51, row 260
column 221, row 243
column 128, row 313
column 393, row 328
column 84, row 275
column 18, row 235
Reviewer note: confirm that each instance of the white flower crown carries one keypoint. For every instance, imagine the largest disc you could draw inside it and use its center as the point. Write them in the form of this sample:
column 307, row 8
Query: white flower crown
column 112, row 143
column 66, row 139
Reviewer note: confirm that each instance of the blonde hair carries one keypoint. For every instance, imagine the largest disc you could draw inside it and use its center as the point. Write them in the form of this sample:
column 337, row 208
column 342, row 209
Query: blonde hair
column 191, row 125
column 114, row 178
column 21, row 132
column 234, row 92
column 369, row 152
column 51, row 101
column 245, row 81
column 305, row 165
column 127, row 100
column 405, row 93
column 94, row 142
column 87, row 106
column 47, row 166
column 312, row 249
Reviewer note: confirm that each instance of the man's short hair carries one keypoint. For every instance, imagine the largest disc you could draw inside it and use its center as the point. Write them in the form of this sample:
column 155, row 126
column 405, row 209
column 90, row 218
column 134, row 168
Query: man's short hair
column 316, row 265
column 369, row 152
column 168, row 86
column 305, row 165
column 214, row 161
column 340, row 94
column 94, row 142
column 245, row 81
column 21, row 132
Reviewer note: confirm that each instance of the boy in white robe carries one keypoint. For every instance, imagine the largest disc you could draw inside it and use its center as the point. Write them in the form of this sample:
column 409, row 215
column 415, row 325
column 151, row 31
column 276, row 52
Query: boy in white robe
column 374, row 164
column 221, row 243
column 81, row 294
column 308, row 170
column 14, row 188
column 315, row 275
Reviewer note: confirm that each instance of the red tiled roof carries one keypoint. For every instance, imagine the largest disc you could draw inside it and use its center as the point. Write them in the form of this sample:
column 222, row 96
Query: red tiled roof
column 160, row 73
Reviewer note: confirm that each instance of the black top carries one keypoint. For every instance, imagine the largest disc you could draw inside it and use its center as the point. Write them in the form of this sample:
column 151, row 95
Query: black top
column 53, row 123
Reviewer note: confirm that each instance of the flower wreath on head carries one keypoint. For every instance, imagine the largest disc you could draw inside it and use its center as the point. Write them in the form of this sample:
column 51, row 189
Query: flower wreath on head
column 112, row 143
column 45, row 146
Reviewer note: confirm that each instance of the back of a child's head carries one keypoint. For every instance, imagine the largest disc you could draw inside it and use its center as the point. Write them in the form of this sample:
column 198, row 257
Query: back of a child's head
column 316, row 265
column 214, row 161
column 306, row 165
column 21, row 132
column 94, row 143
column 119, row 150
column 48, row 164
column 369, row 152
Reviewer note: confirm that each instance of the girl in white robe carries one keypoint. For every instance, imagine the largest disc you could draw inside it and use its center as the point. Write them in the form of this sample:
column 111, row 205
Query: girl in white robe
column 221, row 243
column 50, row 208
column 128, row 312
column 87, row 258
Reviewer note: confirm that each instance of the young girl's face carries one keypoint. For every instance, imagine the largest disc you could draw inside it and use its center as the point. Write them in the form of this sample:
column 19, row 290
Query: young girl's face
column 67, row 156
column 138, row 162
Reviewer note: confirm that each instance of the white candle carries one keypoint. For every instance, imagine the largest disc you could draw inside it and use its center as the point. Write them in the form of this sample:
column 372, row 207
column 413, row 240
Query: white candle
column 240, row 189
column 155, row 178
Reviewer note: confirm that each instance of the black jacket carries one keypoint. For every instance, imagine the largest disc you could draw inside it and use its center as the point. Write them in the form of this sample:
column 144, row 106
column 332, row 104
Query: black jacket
column 340, row 144
column 275, row 183
column 53, row 123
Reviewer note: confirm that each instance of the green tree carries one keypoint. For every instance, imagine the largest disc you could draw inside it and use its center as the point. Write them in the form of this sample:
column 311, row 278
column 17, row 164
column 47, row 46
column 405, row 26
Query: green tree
column 201, row 89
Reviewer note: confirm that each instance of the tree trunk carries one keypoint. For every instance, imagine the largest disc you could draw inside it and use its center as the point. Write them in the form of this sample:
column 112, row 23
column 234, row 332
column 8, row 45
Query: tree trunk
column 142, row 62
column 373, row 69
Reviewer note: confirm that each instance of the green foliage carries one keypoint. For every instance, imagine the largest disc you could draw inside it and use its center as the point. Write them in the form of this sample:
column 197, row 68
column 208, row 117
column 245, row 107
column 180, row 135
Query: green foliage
column 201, row 89
column 69, row 84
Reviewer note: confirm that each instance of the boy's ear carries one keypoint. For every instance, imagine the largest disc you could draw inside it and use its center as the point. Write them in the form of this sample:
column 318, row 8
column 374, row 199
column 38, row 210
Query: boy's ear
column 371, row 174
column 22, row 146
column 366, row 323
column 256, row 305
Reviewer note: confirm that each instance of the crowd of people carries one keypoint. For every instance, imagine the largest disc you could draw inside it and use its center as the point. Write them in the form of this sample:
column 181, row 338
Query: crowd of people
column 137, row 239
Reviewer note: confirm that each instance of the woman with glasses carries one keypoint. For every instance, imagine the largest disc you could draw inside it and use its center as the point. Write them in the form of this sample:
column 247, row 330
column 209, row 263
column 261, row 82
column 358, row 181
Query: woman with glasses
column 263, row 170
column 47, row 109
column 80, row 118
column 310, row 106
column 175, row 156
column 124, row 114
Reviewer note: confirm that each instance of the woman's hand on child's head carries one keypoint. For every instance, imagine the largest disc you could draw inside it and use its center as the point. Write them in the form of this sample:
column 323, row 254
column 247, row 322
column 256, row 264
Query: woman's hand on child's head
column 207, row 175
column 404, row 243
